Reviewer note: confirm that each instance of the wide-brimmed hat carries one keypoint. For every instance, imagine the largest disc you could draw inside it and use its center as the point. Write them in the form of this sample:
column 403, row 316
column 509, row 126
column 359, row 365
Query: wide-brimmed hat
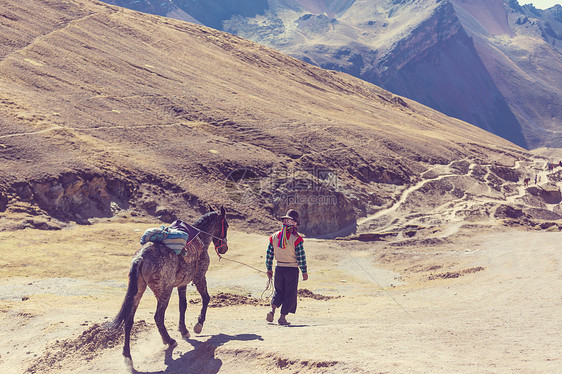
column 292, row 214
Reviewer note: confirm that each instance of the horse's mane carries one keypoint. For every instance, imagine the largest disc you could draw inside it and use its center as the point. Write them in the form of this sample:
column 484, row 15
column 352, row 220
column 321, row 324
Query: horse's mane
column 205, row 219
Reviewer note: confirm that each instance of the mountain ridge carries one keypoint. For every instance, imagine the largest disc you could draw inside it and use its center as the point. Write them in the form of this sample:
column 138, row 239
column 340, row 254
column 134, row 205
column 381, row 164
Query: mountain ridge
column 362, row 38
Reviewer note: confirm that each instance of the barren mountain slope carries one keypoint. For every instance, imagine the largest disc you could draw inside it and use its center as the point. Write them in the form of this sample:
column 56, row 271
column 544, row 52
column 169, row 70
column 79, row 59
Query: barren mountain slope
column 105, row 110
column 492, row 63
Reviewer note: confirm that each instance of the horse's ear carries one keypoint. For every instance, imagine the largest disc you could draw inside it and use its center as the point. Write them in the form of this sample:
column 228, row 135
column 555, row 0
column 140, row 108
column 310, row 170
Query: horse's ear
column 223, row 212
column 211, row 208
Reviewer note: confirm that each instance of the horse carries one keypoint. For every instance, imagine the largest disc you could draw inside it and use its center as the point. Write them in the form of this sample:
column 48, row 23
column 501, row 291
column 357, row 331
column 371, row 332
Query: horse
column 158, row 267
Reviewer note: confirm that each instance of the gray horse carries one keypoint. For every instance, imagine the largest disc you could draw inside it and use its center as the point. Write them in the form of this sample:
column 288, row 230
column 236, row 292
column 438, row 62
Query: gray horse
column 158, row 267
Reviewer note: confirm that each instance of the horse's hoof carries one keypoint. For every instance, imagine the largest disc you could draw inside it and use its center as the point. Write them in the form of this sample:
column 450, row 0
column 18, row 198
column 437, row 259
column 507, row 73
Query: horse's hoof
column 198, row 328
column 129, row 365
column 185, row 334
column 172, row 344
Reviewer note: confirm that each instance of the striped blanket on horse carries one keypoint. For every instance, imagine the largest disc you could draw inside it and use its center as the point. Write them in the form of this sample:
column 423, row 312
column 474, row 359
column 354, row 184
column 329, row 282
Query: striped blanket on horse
column 180, row 237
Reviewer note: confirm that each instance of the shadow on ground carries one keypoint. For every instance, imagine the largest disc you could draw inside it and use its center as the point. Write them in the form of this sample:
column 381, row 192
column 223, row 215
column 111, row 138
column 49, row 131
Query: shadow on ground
column 202, row 358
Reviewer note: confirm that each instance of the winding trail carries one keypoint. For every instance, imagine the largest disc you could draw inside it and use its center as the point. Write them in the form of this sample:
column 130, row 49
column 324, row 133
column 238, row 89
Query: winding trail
column 448, row 211
column 54, row 128
column 400, row 201
column 33, row 132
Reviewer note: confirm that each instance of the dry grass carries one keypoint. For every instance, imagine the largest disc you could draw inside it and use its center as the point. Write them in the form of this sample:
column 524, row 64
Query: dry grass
column 98, row 252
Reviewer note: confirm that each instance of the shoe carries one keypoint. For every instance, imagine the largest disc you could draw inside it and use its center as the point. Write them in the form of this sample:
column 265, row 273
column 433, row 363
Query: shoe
column 269, row 317
column 283, row 322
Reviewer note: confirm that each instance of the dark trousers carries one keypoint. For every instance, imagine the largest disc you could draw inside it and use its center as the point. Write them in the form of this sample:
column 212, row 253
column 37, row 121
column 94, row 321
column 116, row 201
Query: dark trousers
column 286, row 283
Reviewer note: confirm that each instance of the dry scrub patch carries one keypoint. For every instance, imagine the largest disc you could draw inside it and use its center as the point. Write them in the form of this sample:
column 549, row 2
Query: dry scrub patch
column 455, row 274
column 74, row 252
column 307, row 293
column 225, row 299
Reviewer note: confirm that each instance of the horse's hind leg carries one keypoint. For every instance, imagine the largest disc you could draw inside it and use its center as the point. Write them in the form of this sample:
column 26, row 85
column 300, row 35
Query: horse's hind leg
column 183, row 307
column 129, row 322
column 163, row 300
column 201, row 285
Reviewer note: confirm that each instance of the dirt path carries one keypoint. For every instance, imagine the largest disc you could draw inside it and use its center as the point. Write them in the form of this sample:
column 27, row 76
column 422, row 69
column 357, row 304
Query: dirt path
column 480, row 302
column 494, row 194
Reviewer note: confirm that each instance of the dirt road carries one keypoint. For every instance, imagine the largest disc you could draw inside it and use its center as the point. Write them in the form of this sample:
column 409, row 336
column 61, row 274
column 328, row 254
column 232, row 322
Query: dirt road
column 482, row 301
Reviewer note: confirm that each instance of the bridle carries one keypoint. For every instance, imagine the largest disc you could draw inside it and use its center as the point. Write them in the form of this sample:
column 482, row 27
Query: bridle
column 222, row 240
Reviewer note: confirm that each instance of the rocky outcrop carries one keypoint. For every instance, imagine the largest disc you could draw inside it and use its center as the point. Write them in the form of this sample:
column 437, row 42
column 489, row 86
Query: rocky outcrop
column 508, row 211
column 322, row 213
column 543, row 214
column 79, row 197
column 505, row 173
column 3, row 201
column 549, row 193
column 76, row 197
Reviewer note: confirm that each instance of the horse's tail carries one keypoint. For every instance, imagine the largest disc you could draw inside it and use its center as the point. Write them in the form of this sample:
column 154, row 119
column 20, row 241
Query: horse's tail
column 128, row 303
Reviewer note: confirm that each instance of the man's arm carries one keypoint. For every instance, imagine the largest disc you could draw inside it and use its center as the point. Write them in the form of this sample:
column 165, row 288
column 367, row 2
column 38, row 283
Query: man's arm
column 301, row 260
column 269, row 260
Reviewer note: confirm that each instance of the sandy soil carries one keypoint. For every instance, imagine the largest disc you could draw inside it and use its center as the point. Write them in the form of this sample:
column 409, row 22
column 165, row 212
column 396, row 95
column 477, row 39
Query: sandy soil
column 486, row 300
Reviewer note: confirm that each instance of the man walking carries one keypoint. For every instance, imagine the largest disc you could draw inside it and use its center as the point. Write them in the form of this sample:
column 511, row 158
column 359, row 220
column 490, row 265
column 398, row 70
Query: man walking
column 286, row 246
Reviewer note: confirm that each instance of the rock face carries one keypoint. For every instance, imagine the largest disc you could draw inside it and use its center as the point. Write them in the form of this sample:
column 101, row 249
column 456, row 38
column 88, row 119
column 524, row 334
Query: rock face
column 76, row 197
column 521, row 48
column 322, row 213
column 549, row 193
column 3, row 201
column 507, row 211
column 492, row 63
column 438, row 65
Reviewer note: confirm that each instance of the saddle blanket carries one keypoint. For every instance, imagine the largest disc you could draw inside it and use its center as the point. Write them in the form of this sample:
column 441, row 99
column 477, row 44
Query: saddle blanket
column 178, row 237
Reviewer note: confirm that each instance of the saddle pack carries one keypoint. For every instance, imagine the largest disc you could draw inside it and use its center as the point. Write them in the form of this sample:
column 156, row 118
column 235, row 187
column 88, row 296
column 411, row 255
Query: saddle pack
column 180, row 237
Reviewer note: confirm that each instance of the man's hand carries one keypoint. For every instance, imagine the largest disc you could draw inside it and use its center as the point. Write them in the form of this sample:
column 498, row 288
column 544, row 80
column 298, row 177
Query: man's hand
column 270, row 274
column 305, row 276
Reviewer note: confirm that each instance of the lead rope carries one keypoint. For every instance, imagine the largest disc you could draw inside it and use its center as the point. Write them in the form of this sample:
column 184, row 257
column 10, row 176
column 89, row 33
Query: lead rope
column 268, row 286
column 223, row 240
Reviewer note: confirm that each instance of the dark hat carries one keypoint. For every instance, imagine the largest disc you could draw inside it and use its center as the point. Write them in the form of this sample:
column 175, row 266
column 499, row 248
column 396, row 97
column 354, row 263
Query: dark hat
column 292, row 214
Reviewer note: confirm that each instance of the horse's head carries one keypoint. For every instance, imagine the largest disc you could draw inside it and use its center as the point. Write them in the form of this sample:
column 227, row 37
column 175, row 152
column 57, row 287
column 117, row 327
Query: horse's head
column 220, row 231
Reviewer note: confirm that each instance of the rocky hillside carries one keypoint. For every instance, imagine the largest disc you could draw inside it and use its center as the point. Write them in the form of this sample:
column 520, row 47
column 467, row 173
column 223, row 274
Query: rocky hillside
column 521, row 48
column 492, row 63
column 105, row 111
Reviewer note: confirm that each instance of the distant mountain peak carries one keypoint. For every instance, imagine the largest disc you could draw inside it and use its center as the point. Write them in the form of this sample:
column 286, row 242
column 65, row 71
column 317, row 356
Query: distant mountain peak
column 493, row 63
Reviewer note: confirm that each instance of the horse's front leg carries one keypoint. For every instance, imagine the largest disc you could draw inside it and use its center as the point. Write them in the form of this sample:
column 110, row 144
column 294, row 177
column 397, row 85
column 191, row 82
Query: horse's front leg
column 183, row 307
column 201, row 284
column 163, row 298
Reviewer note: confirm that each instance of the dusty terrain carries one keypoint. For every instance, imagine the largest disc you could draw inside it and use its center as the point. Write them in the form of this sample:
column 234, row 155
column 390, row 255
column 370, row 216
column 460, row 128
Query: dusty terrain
column 485, row 300
column 112, row 122
column 465, row 295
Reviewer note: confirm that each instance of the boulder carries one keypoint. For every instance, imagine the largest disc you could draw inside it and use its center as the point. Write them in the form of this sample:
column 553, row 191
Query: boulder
column 507, row 211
